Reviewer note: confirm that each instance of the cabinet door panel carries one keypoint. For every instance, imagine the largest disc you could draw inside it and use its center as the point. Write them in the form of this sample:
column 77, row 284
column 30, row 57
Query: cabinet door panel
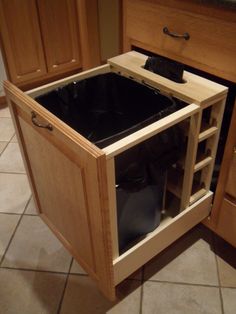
column 60, row 34
column 22, row 40
column 227, row 221
column 68, row 177
column 231, row 182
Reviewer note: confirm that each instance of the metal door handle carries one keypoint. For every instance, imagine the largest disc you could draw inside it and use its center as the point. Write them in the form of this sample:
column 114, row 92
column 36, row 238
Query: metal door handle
column 38, row 124
column 166, row 31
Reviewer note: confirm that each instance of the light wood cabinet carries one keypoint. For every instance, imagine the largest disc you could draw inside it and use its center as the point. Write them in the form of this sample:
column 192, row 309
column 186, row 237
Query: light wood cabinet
column 231, row 181
column 74, row 181
column 45, row 40
column 210, row 46
column 59, row 26
column 145, row 21
column 21, row 37
column 223, row 217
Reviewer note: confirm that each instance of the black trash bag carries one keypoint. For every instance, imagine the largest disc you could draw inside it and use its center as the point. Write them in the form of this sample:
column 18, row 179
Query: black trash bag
column 168, row 68
column 140, row 179
column 107, row 107
column 138, row 212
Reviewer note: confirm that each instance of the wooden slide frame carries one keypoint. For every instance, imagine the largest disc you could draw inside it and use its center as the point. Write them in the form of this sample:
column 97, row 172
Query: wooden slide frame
column 90, row 170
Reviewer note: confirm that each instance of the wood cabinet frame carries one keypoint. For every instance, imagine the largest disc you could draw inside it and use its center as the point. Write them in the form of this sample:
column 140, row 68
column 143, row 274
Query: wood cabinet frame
column 73, row 181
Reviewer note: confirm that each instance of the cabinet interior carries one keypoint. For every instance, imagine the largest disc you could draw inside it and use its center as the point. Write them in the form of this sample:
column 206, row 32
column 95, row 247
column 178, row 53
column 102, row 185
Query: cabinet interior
column 107, row 107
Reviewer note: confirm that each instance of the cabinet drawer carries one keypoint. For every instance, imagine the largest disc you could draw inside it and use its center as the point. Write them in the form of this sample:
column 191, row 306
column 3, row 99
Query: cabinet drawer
column 211, row 45
column 231, row 182
column 75, row 181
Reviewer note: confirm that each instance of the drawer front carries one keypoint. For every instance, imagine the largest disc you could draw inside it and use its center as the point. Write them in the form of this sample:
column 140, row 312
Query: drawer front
column 67, row 176
column 227, row 221
column 211, row 45
column 231, row 182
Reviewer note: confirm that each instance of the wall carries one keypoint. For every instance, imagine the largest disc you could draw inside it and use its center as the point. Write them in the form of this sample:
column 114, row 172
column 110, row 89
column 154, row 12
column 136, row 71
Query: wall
column 109, row 28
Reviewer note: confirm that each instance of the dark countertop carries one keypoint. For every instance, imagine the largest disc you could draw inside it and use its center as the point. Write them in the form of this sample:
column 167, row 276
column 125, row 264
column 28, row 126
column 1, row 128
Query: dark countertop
column 230, row 4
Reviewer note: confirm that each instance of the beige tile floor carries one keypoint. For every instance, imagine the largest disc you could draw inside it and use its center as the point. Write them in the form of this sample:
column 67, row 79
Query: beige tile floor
column 197, row 274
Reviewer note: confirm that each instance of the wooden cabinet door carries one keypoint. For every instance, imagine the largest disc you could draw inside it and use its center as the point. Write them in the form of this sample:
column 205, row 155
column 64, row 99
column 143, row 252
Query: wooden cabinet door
column 231, row 182
column 21, row 40
column 69, row 182
column 60, row 34
column 223, row 214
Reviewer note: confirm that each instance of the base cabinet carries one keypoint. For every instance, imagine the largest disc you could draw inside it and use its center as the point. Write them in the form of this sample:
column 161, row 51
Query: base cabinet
column 185, row 31
column 74, row 182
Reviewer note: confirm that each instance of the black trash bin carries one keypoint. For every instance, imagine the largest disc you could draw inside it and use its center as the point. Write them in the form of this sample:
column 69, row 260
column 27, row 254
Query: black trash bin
column 140, row 177
column 106, row 108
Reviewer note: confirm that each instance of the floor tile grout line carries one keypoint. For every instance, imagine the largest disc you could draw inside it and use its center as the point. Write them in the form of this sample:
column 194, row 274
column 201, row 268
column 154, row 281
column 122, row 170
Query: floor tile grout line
column 8, row 142
column 65, row 286
column 218, row 274
column 27, row 204
column 49, row 271
column 7, row 172
column 221, row 301
column 34, row 215
column 37, row 270
column 183, row 283
column 6, row 213
column 12, row 172
column 141, row 292
column 12, row 137
column 10, row 241
column 13, row 234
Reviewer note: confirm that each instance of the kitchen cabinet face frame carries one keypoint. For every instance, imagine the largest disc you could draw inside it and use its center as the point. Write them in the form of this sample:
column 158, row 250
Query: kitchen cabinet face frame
column 65, row 168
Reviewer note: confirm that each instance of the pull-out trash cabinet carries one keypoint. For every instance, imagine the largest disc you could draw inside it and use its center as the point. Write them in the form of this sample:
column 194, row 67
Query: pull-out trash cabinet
column 82, row 171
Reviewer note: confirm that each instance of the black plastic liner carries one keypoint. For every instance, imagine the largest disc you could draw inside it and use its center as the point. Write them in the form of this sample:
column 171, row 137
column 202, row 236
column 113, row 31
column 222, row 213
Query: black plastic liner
column 140, row 178
column 107, row 107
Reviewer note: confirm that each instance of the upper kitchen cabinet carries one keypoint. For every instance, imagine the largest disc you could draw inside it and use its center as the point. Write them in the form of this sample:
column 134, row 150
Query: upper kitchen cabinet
column 21, row 39
column 42, row 40
column 58, row 21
